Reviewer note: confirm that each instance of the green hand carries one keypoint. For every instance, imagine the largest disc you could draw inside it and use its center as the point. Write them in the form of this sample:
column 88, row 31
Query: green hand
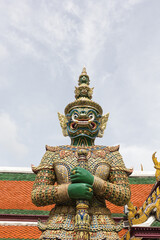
column 81, row 175
column 81, row 191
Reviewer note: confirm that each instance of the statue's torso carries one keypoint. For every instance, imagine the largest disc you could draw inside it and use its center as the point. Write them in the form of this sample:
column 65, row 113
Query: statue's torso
column 63, row 159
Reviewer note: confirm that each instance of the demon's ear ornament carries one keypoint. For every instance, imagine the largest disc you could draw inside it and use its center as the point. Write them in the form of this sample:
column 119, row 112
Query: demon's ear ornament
column 63, row 122
column 103, row 123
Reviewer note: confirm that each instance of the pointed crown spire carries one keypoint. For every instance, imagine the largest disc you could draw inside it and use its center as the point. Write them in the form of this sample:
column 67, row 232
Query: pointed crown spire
column 83, row 78
column 83, row 95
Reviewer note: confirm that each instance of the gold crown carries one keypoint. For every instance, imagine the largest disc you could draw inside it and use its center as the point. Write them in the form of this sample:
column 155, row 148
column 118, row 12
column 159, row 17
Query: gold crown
column 83, row 95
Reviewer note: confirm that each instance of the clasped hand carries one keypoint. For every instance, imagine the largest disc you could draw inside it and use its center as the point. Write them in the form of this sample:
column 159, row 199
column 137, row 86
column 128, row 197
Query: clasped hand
column 81, row 187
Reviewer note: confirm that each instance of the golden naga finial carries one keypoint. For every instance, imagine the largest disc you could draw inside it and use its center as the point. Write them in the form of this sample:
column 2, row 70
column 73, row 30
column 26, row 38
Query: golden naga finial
column 141, row 167
column 156, row 166
column 132, row 211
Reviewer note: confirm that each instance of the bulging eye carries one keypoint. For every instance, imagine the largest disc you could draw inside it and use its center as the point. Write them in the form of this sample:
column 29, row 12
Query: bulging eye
column 74, row 116
column 91, row 116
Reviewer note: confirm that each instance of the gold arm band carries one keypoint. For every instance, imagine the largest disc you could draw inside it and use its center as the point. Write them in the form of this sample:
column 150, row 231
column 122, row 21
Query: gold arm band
column 98, row 186
column 62, row 193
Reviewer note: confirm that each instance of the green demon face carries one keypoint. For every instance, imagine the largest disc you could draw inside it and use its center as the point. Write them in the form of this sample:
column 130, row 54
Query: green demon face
column 83, row 122
column 83, row 79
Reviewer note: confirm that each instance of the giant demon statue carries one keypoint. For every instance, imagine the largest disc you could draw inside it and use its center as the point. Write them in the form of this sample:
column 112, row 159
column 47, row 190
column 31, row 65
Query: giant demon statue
column 78, row 178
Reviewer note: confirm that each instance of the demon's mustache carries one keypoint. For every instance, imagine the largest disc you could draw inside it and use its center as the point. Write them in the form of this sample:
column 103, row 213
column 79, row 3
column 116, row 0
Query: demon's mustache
column 83, row 122
column 82, row 119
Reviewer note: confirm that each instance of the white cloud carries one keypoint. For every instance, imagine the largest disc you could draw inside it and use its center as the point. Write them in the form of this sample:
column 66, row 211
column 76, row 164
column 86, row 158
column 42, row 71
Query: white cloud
column 3, row 52
column 134, row 156
column 10, row 144
column 44, row 45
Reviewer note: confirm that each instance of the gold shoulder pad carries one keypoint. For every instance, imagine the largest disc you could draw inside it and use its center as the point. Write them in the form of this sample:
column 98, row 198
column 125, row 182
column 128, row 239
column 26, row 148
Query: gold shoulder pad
column 112, row 149
column 51, row 149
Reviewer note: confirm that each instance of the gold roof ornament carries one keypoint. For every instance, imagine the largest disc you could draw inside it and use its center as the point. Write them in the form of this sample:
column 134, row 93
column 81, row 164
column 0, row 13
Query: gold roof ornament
column 152, row 203
column 151, row 206
column 83, row 95
column 156, row 166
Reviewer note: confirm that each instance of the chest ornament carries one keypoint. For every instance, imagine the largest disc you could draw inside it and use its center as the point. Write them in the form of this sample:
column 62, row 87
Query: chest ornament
column 65, row 153
column 99, row 153
column 88, row 155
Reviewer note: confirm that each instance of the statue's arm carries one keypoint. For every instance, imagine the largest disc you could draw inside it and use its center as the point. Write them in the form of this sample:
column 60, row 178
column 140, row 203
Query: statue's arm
column 44, row 191
column 116, row 189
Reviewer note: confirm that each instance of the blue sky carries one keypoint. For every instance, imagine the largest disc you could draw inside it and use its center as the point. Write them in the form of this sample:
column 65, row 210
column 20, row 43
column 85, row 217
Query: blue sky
column 44, row 45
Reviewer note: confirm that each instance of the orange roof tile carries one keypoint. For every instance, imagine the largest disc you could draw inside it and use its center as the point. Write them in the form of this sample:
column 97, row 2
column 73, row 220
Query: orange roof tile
column 20, row 232
column 139, row 193
column 122, row 232
column 17, row 195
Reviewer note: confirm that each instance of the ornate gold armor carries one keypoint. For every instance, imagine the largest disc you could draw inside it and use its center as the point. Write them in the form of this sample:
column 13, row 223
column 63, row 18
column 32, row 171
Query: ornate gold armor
column 111, row 183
